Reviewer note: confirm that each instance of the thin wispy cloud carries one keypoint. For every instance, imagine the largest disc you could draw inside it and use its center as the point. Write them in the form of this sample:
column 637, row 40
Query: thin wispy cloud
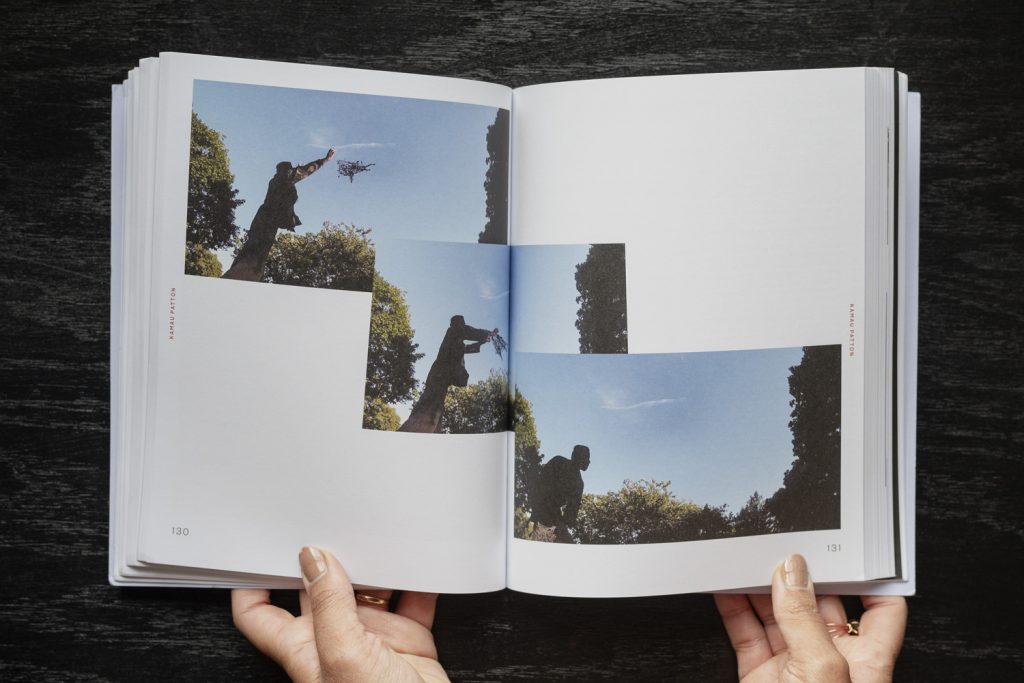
column 491, row 296
column 613, row 405
column 489, row 289
column 321, row 138
column 366, row 145
column 323, row 143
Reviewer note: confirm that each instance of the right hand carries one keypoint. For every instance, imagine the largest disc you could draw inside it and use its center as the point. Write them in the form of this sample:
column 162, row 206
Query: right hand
column 785, row 637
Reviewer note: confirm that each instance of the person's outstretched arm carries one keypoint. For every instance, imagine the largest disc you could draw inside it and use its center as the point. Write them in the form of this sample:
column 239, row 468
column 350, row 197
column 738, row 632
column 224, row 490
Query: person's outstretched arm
column 312, row 167
column 342, row 635
column 791, row 636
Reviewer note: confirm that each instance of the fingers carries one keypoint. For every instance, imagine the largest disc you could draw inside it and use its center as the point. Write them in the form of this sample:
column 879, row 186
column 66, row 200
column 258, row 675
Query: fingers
column 745, row 630
column 419, row 607
column 373, row 598
column 261, row 622
column 404, row 636
column 812, row 654
column 884, row 621
column 763, row 606
column 339, row 634
column 831, row 609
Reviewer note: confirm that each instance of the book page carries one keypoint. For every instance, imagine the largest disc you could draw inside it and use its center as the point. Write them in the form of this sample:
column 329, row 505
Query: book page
column 329, row 320
column 690, row 389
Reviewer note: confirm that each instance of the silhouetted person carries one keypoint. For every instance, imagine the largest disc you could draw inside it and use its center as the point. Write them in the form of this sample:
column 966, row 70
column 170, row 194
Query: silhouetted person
column 449, row 369
column 276, row 213
column 559, row 492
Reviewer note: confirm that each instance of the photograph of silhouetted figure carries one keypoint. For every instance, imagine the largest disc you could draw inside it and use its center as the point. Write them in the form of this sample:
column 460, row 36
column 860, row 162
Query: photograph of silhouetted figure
column 558, row 494
column 448, row 369
column 694, row 446
column 276, row 213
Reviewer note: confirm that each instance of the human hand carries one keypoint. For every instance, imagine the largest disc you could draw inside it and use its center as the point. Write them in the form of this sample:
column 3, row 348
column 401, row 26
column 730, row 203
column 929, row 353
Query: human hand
column 342, row 635
column 787, row 636
column 330, row 154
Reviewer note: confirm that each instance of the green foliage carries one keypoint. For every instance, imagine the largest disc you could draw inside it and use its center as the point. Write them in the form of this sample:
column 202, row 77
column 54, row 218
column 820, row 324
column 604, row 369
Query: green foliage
column 201, row 261
column 338, row 257
column 210, row 217
column 809, row 497
column 647, row 512
column 479, row 408
column 528, row 457
column 379, row 415
column 711, row 521
column 601, row 283
column 496, row 181
column 521, row 525
column 391, row 354
column 755, row 518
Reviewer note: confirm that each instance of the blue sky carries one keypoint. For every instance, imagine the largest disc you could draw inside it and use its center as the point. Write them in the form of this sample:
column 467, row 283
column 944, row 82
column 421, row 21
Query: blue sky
column 544, row 308
column 442, row 279
column 430, row 157
column 714, row 424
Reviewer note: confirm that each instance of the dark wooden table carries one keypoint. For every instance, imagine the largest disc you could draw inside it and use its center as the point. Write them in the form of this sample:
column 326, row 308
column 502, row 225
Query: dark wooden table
column 61, row 621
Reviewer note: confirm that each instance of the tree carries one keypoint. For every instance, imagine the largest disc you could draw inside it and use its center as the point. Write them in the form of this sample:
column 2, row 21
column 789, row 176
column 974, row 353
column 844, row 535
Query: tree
column 527, row 451
column 710, row 521
column 809, row 497
column 496, row 181
column 479, row 408
column 379, row 415
column 210, row 217
column 601, row 283
column 201, row 261
column 640, row 512
column 391, row 354
column 754, row 518
column 338, row 257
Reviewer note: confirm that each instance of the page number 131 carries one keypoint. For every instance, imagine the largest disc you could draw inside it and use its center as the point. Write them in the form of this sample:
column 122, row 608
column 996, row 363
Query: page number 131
column 830, row 547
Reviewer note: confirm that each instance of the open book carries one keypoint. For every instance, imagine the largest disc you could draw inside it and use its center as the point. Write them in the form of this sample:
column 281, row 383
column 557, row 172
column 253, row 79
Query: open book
column 597, row 338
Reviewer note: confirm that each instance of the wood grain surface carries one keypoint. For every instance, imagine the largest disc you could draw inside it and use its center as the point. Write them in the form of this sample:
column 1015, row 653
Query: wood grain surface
column 60, row 620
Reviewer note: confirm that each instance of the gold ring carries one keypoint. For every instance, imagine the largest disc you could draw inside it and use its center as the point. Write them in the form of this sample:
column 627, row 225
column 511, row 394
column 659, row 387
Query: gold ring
column 850, row 628
column 371, row 600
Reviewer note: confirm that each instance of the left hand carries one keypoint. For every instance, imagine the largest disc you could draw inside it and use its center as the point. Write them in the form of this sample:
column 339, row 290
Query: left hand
column 337, row 638
column 330, row 154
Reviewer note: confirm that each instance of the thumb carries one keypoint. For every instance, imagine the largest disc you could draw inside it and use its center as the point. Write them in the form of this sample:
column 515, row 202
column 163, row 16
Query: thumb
column 338, row 631
column 812, row 655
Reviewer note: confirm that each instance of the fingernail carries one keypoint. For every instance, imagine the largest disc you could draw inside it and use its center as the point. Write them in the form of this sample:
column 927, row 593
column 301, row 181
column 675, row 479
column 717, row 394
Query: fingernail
column 796, row 572
column 314, row 567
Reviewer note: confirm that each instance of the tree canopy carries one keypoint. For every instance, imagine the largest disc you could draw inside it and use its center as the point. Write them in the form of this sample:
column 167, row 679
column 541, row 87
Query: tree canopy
column 479, row 408
column 647, row 511
column 809, row 497
column 528, row 456
column 199, row 260
column 391, row 353
column 496, row 181
column 601, row 283
column 339, row 256
column 380, row 415
column 754, row 518
column 210, row 217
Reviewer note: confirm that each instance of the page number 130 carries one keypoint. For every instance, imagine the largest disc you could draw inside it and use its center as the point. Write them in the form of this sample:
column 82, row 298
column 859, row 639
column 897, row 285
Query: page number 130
column 179, row 531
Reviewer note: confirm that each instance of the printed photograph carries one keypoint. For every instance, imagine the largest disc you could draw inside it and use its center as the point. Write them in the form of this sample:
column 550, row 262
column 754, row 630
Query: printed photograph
column 291, row 186
column 570, row 298
column 667, row 448
column 437, row 359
